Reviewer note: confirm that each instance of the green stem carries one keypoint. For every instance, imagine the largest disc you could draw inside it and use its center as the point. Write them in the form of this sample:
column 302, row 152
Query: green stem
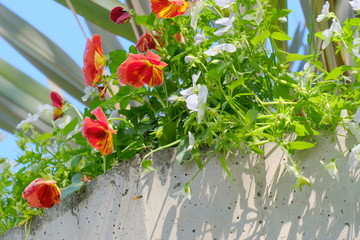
column 160, row 148
column 77, row 111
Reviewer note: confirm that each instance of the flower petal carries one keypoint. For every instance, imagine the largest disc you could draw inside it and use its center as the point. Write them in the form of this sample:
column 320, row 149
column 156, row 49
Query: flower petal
column 42, row 193
column 119, row 16
column 168, row 8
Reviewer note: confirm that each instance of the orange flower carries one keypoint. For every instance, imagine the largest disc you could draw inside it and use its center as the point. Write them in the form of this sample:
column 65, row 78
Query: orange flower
column 168, row 8
column 139, row 70
column 94, row 61
column 57, row 102
column 98, row 132
column 146, row 42
column 42, row 193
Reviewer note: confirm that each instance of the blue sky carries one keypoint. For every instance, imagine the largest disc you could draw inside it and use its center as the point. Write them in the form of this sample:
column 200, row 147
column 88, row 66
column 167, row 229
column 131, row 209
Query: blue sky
column 59, row 24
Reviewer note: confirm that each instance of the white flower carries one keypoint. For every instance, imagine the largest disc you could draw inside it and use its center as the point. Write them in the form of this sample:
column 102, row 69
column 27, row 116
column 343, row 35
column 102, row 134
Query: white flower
column 332, row 169
column 42, row 110
column 191, row 141
column 195, row 13
column 356, row 49
column 329, row 33
column 62, row 122
column 173, row 98
column 259, row 13
column 227, row 22
column 3, row 136
column 354, row 156
column 185, row 191
column 213, row 51
column 324, row 12
column 90, row 92
column 283, row 20
column 196, row 102
column 224, row 3
column 199, row 38
column 189, row 58
column 355, row 5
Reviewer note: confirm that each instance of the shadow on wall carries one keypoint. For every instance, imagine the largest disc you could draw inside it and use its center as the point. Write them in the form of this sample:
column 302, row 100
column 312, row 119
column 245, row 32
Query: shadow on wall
column 260, row 203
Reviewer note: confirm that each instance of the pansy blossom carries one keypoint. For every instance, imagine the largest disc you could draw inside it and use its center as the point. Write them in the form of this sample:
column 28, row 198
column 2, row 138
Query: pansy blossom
column 168, row 8
column 139, row 70
column 98, row 132
column 94, row 61
column 42, row 193
column 57, row 102
column 146, row 42
column 119, row 16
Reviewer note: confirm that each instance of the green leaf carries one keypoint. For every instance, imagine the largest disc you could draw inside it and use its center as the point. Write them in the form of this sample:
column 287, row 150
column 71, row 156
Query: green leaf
column 260, row 37
column 235, row 84
column 300, row 145
column 281, row 36
column 44, row 136
column 224, row 165
column 74, row 161
column 169, row 133
column 295, row 57
column 117, row 57
column 73, row 187
column 183, row 154
column 70, row 126
column 336, row 72
column 251, row 116
column 256, row 149
column 146, row 20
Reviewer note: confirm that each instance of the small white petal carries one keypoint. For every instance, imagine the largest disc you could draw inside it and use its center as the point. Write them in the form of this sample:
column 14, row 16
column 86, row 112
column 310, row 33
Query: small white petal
column 195, row 77
column 172, row 98
column 192, row 102
column 283, row 20
column 199, row 38
column 324, row 12
column 189, row 58
column 191, row 141
column 187, row 92
column 355, row 5
column 224, row 3
column 227, row 47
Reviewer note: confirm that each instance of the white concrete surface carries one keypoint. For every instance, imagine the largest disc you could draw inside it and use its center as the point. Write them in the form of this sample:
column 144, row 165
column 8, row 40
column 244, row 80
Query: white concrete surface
column 260, row 204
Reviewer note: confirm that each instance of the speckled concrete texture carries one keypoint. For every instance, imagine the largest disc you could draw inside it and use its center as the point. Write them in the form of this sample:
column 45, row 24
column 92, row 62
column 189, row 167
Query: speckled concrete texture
column 259, row 204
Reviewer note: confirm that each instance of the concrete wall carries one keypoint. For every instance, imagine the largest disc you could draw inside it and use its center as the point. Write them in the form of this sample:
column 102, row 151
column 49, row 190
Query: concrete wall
column 260, row 204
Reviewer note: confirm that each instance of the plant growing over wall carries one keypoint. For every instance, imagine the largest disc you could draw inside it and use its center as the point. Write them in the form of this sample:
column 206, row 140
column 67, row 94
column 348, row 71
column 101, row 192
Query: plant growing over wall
column 204, row 74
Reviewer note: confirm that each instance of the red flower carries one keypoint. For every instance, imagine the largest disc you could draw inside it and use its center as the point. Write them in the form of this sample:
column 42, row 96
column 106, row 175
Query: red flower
column 168, row 8
column 146, row 42
column 98, row 132
column 42, row 193
column 139, row 70
column 94, row 61
column 57, row 102
column 119, row 16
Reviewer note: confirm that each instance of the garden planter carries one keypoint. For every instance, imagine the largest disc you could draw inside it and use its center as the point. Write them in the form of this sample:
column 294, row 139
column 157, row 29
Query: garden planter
column 259, row 204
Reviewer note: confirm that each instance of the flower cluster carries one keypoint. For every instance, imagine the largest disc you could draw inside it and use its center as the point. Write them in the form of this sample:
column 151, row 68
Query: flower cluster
column 210, row 74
